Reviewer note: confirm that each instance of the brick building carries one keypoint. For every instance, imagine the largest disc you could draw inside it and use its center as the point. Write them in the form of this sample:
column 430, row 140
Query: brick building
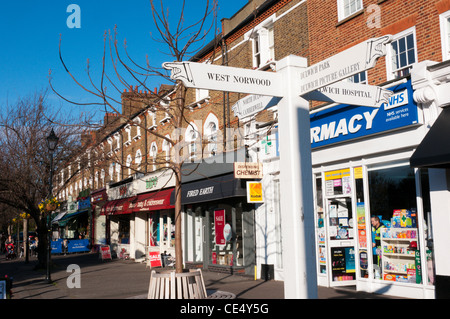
column 360, row 170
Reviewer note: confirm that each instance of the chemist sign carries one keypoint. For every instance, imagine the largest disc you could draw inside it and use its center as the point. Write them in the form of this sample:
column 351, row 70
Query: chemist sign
column 346, row 122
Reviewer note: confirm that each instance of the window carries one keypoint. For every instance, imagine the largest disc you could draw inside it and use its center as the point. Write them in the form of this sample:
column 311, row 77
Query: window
column 445, row 35
column 210, row 130
column 166, row 150
column 348, row 7
column 153, row 153
column 152, row 121
column 201, row 94
column 111, row 172
column 359, row 78
column 138, row 159
column 137, row 124
column 192, row 138
column 128, row 131
column 129, row 161
column 263, row 45
column 402, row 54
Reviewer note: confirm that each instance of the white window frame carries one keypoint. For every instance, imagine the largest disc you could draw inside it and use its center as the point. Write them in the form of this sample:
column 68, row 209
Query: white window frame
column 129, row 162
column 341, row 8
column 153, row 152
column 166, row 150
column 137, row 124
column 211, row 136
column 128, row 131
column 191, row 137
column 152, row 114
column 262, row 41
column 391, row 72
column 444, row 20
column 138, row 159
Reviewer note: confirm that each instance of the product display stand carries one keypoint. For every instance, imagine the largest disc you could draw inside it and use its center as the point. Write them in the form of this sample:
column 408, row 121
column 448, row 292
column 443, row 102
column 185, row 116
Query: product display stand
column 398, row 257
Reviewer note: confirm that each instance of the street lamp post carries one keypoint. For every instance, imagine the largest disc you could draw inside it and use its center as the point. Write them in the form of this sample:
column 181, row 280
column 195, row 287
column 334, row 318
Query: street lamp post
column 52, row 141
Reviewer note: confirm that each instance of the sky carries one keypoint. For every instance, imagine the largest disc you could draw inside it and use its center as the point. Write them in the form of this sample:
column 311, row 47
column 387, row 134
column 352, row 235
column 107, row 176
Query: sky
column 30, row 31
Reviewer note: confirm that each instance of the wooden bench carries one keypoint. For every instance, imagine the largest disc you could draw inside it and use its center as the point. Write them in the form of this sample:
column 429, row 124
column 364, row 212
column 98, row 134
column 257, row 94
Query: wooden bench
column 172, row 285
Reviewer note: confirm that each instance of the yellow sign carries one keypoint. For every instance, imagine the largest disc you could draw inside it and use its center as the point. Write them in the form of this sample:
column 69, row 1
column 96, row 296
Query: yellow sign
column 254, row 192
column 358, row 172
column 338, row 174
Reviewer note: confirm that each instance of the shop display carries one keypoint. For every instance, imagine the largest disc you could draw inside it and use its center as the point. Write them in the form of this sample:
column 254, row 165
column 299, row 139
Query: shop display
column 399, row 247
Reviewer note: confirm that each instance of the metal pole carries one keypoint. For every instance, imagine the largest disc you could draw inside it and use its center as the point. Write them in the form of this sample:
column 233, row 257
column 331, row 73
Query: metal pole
column 48, row 278
column 296, row 183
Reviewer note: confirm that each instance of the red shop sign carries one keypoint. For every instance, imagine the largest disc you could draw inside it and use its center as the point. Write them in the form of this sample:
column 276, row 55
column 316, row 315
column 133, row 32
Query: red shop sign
column 219, row 224
column 155, row 259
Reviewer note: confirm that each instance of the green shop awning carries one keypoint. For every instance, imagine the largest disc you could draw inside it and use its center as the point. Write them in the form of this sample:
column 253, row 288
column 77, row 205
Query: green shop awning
column 68, row 217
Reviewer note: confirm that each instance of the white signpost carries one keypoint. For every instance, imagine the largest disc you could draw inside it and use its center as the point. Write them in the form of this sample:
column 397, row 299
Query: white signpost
column 292, row 80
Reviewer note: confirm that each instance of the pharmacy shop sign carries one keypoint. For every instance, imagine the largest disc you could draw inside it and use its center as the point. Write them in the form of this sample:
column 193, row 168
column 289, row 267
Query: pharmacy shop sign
column 346, row 122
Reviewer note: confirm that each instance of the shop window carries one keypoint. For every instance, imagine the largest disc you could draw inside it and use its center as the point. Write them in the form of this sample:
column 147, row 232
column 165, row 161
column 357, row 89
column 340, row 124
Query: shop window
column 226, row 237
column 320, row 227
column 348, row 7
column 154, row 229
column 124, row 230
column 402, row 54
column 395, row 242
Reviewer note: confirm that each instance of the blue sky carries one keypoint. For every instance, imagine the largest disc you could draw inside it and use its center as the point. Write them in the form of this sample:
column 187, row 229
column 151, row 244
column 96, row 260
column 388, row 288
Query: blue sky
column 29, row 39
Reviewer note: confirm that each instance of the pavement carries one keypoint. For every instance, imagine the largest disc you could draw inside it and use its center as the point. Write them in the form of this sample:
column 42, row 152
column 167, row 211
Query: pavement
column 127, row 279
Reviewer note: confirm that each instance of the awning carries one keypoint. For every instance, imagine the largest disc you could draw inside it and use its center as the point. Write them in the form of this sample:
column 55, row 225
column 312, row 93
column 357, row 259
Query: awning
column 210, row 189
column 118, row 206
column 434, row 150
column 67, row 217
column 58, row 217
column 152, row 201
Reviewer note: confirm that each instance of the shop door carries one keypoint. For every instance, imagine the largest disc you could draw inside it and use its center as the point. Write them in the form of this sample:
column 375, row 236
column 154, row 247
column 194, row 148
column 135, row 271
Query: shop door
column 340, row 231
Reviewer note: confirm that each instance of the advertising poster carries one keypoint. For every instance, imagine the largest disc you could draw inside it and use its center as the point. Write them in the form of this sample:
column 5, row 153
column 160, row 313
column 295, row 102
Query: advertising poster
column 219, row 225
column 254, row 192
column 155, row 259
column 105, row 252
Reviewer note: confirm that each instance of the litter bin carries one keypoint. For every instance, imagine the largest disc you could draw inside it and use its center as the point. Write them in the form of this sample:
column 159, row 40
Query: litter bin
column 267, row 272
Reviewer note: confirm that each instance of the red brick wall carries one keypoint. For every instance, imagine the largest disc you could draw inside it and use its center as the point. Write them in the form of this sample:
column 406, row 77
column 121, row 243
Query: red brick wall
column 328, row 36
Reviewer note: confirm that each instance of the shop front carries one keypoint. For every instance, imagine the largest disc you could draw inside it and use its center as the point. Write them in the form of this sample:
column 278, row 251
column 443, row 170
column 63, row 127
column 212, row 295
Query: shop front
column 218, row 225
column 74, row 230
column 98, row 225
column 118, row 216
column 153, row 219
column 372, row 216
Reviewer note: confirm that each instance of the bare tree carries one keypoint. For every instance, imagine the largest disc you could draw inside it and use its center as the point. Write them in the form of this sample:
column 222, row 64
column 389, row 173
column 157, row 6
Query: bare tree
column 25, row 161
column 180, row 41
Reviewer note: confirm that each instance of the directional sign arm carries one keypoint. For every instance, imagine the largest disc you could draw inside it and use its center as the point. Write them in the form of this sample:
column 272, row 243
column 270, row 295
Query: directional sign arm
column 225, row 78
column 350, row 93
column 352, row 61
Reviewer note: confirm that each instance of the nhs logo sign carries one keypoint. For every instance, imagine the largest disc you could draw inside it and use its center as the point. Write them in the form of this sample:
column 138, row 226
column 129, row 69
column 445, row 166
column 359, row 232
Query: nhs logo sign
column 396, row 100
column 347, row 122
